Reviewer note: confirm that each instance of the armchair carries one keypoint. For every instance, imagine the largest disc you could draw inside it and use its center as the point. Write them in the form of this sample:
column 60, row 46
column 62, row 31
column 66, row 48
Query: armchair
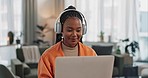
column 5, row 73
column 118, row 66
column 22, row 68
column 119, row 60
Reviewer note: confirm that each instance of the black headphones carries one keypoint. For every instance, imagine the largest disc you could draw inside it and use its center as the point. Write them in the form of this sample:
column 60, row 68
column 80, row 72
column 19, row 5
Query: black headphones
column 58, row 25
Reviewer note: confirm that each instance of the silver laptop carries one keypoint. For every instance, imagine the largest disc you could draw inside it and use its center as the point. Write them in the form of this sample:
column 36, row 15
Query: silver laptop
column 84, row 67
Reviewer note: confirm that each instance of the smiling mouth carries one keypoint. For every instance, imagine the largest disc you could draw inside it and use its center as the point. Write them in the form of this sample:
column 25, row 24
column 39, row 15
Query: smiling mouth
column 73, row 40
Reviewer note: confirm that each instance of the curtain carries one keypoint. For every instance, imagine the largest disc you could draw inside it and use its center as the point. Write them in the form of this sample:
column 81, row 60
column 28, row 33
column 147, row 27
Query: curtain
column 10, row 19
column 118, row 19
column 29, row 20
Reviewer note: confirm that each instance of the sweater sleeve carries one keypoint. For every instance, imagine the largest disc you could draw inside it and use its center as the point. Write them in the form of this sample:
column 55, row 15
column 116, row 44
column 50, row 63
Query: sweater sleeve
column 44, row 69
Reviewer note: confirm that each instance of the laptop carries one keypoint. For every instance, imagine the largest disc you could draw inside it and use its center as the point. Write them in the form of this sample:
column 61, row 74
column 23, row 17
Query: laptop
column 84, row 66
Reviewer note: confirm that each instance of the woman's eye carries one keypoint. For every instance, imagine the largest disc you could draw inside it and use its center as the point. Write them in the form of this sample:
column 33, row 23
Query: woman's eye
column 78, row 30
column 69, row 30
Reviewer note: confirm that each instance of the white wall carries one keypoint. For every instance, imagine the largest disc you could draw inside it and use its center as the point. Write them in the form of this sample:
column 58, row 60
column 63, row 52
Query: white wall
column 47, row 11
column 6, row 54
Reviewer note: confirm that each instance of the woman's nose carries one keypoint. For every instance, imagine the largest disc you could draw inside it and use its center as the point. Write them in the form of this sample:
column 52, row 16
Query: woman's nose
column 74, row 33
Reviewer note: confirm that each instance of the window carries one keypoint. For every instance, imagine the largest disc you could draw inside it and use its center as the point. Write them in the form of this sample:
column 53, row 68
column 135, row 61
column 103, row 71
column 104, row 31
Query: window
column 10, row 19
column 143, row 32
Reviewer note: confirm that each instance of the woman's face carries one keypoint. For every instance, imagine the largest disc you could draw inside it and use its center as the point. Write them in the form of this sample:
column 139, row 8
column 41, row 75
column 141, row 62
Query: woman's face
column 72, row 31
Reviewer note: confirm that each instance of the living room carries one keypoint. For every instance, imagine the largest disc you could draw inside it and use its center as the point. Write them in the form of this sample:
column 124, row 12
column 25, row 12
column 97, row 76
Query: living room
column 120, row 23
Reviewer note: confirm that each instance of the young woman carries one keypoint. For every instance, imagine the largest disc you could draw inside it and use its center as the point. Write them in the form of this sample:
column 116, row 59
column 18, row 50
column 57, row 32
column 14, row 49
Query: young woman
column 72, row 29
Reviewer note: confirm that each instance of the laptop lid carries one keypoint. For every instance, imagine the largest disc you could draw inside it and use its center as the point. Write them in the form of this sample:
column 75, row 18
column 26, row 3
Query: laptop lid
column 84, row 67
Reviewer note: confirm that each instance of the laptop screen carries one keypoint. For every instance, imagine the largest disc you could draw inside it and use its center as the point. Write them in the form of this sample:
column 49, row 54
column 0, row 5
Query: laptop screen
column 84, row 67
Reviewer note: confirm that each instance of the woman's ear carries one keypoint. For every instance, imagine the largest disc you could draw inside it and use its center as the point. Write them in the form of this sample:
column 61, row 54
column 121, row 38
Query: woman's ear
column 58, row 37
column 81, row 39
column 62, row 35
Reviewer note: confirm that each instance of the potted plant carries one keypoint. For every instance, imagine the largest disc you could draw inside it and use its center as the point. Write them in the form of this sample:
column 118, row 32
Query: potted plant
column 102, row 36
column 133, row 45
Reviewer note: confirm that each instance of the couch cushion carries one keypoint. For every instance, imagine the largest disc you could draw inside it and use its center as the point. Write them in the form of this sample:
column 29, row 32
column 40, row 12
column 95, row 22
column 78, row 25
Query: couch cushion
column 32, row 74
column 26, row 69
column 102, row 50
column 144, row 73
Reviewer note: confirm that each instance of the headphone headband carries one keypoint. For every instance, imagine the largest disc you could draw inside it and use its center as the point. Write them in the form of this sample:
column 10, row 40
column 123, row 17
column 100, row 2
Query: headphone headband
column 58, row 25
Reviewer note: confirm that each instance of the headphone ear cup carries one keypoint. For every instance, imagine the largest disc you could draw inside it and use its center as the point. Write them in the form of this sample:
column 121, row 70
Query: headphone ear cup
column 84, row 29
column 58, row 27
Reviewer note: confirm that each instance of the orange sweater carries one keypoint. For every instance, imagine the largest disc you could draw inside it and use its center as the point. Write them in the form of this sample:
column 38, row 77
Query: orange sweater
column 46, row 65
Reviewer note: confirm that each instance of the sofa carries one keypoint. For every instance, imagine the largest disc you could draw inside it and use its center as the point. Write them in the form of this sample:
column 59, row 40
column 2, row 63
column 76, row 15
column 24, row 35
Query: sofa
column 6, row 73
column 120, row 60
column 24, row 69
column 144, row 73
column 143, row 69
